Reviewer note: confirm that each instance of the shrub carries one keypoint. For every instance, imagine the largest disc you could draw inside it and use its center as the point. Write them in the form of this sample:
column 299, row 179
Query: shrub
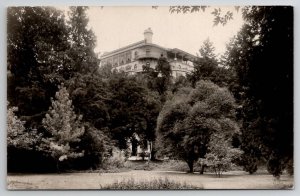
column 97, row 147
column 220, row 155
column 174, row 165
column 17, row 136
column 116, row 160
column 249, row 164
column 156, row 184
column 22, row 146
column 275, row 166
column 290, row 167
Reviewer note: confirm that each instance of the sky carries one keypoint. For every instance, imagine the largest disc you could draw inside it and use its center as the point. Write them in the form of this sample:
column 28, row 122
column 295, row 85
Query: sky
column 117, row 27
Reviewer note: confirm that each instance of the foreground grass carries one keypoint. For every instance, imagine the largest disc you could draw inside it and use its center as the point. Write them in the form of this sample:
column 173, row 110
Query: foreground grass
column 156, row 184
column 230, row 180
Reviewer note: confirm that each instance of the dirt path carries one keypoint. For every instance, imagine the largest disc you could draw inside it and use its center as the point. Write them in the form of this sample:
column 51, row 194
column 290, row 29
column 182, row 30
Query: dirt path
column 232, row 180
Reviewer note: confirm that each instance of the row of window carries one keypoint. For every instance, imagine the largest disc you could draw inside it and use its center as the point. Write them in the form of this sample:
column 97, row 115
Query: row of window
column 119, row 59
column 123, row 58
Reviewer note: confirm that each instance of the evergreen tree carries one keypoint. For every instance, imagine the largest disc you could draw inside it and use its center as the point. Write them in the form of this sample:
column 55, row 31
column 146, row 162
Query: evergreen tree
column 207, row 67
column 64, row 129
column 82, row 40
column 207, row 50
column 262, row 57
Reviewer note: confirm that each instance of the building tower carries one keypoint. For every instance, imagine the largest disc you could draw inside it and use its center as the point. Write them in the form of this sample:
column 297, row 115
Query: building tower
column 148, row 35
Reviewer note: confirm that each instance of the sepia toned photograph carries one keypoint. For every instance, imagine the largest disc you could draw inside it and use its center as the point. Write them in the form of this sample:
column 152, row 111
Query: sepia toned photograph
column 150, row 98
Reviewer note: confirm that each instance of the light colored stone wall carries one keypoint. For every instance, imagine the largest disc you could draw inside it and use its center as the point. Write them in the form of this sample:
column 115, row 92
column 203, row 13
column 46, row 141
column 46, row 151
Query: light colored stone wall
column 132, row 61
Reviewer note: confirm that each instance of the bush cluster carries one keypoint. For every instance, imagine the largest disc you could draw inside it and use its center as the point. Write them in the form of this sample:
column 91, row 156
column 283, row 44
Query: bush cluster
column 115, row 161
column 156, row 184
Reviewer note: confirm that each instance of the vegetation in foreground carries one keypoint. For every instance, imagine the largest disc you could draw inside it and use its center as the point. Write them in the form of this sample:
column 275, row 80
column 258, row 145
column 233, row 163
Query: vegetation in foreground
column 156, row 184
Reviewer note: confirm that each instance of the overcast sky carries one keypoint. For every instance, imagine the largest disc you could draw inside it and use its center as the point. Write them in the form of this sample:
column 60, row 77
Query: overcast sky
column 116, row 27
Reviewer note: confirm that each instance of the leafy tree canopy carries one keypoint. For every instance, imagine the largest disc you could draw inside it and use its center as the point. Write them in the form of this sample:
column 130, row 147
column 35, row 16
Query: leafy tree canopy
column 186, row 123
column 133, row 109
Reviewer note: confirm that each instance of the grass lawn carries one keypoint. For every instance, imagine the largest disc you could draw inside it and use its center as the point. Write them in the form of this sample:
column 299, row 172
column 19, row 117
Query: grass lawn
column 230, row 180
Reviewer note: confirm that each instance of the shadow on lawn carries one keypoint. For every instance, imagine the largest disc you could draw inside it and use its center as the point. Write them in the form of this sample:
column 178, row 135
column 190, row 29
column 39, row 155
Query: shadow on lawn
column 205, row 175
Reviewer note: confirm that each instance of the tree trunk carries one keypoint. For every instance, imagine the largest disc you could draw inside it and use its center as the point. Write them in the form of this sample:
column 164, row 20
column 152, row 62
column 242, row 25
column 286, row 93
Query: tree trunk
column 152, row 155
column 57, row 167
column 202, row 169
column 152, row 151
column 191, row 166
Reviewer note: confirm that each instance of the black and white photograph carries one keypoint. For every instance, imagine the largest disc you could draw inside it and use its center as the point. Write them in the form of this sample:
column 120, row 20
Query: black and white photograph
column 188, row 97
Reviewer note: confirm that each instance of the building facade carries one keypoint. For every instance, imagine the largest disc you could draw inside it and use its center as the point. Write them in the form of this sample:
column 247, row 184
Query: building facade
column 133, row 57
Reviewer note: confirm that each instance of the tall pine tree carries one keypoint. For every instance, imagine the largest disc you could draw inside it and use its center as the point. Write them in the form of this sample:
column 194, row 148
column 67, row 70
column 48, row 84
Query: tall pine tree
column 64, row 128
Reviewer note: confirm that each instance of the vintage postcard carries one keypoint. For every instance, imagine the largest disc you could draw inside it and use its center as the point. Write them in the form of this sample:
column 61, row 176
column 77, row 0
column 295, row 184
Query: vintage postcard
column 150, row 97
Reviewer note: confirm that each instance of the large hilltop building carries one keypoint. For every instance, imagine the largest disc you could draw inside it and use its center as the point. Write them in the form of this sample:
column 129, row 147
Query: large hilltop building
column 131, row 58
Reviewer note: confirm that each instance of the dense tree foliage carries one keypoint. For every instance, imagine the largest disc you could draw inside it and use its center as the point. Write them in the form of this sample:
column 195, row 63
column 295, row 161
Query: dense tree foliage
column 117, row 104
column 188, row 121
column 36, row 38
column 205, row 66
column 179, row 83
column 262, row 56
column 133, row 109
column 44, row 50
column 97, row 146
column 90, row 95
column 208, row 67
column 159, row 78
column 260, row 60
column 164, row 75
column 82, row 57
